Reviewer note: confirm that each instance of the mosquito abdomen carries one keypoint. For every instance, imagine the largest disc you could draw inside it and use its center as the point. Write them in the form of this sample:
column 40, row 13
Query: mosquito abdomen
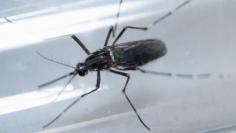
column 138, row 53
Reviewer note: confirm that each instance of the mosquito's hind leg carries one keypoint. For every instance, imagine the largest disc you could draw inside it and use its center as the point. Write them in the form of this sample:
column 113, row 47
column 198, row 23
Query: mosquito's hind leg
column 178, row 75
column 153, row 23
column 126, row 96
column 166, row 74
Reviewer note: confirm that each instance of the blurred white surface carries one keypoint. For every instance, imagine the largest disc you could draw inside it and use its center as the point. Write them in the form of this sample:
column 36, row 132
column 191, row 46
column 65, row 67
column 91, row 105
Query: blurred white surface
column 200, row 39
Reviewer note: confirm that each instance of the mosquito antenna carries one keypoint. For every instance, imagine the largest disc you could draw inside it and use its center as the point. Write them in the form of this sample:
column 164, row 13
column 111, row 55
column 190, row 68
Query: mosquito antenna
column 54, row 61
column 117, row 19
column 57, row 79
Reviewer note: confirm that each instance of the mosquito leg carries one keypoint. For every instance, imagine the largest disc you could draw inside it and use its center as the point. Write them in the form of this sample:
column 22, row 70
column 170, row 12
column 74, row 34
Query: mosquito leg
column 62, row 90
column 145, row 71
column 155, row 73
column 126, row 96
column 8, row 20
column 179, row 75
column 76, row 100
column 111, row 30
column 76, row 39
column 167, row 74
column 153, row 23
column 187, row 76
column 117, row 18
column 57, row 79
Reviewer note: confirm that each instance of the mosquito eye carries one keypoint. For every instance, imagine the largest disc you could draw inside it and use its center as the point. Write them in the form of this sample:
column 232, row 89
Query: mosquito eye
column 83, row 73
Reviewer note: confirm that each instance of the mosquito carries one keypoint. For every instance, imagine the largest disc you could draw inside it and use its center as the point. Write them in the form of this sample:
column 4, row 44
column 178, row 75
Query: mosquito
column 118, row 58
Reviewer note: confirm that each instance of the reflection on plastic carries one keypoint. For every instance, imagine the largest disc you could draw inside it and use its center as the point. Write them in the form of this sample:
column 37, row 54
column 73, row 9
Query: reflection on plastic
column 38, row 29
column 38, row 98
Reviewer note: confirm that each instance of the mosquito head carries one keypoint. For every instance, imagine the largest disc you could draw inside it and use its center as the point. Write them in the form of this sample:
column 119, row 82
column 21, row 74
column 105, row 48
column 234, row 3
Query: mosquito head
column 81, row 69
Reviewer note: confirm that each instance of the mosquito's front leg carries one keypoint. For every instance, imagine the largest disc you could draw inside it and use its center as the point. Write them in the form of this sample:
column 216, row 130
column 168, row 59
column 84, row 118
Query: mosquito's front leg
column 76, row 39
column 76, row 100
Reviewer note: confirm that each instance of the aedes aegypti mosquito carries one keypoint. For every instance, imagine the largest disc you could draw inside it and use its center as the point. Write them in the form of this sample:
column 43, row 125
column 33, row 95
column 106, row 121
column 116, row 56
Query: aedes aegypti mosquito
column 117, row 58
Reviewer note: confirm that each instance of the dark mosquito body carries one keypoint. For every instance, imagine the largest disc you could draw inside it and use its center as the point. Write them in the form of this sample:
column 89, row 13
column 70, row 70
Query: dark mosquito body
column 118, row 58
column 126, row 55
